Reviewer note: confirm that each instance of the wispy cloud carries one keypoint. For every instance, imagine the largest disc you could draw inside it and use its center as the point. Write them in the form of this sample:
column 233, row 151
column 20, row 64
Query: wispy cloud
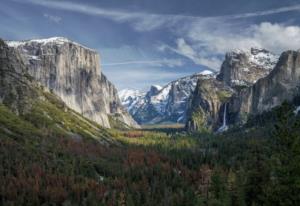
column 154, row 63
column 143, row 21
column 200, row 39
column 52, row 18
column 265, row 12
column 186, row 50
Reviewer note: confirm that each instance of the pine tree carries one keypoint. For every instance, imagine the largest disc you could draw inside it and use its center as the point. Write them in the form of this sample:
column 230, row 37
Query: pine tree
column 284, row 188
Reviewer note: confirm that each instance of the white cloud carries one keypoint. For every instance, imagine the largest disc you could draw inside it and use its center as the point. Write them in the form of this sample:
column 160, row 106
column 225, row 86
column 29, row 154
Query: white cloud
column 208, row 37
column 275, row 37
column 182, row 48
column 55, row 19
column 207, row 45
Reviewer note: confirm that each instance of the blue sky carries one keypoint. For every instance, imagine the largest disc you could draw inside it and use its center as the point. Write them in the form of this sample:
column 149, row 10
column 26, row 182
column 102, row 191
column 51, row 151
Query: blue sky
column 145, row 42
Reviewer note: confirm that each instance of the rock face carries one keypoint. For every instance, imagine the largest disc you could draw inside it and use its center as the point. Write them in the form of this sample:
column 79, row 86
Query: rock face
column 283, row 83
column 166, row 104
column 225, row 100
column 72, row 72
column 244, row 68
column 206, row 103
column 16, row 90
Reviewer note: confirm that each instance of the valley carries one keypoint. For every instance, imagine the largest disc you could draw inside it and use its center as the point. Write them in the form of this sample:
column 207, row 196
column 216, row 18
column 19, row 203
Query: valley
column 67, row 138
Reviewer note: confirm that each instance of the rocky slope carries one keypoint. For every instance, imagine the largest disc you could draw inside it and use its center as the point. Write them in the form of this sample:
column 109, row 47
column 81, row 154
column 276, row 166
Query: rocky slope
column 166, row 104
column 72, row 72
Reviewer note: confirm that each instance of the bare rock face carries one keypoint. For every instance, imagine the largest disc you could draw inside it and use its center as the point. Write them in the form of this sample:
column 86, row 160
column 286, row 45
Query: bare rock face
column 206, row 104
column 282, row 84
column 244, row 68
column 223, row 100
column 16, row 88
column 72, row 72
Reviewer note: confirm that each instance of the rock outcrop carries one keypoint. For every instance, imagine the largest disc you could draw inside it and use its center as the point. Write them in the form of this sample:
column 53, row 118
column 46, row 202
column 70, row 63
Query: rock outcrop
column 72, row 72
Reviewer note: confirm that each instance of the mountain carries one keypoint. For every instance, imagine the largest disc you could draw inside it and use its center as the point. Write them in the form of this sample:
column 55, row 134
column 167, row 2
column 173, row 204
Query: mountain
column 247, row 85
column 132, row 99
column 167, row 104
column 29, row 112
column 244, row 68
column 282, row 84
column 72, row 72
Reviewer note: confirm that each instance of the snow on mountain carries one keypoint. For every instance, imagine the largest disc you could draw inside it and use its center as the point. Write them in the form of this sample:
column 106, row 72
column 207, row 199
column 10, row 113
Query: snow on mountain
column 256, row 57
column 262, row 58
column 162, row 104
column 244, row 68
column 132, row 99
column 206, row 72
column 157, row 87
column 52, row 40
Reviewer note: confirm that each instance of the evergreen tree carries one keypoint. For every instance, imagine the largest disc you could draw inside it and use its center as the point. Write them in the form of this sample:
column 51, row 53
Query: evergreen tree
column 284, row 188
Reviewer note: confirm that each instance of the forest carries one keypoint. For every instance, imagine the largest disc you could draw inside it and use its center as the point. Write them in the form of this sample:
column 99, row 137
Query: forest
column 257, row 164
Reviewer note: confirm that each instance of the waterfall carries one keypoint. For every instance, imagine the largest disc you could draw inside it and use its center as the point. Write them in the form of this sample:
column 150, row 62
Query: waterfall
column 224, row 126
column 224, row 116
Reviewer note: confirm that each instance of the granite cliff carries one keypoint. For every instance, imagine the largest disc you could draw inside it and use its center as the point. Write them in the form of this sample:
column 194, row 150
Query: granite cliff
column 282, row 84
column 249, row 83
column 244, row 68
column 72, row 72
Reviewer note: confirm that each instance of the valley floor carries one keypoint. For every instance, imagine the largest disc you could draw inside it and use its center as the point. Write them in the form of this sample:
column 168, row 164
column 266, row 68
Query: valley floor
column 249, row 166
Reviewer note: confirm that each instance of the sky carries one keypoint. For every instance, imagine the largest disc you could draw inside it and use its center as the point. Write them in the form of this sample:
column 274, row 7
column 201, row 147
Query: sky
column 146, row 42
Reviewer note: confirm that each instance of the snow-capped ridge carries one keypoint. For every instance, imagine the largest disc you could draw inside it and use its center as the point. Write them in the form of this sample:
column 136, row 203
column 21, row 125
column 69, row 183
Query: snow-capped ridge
column 45, row 41
column 257, row 56
column 167, row 103
column 126, row 93
column 132, row 99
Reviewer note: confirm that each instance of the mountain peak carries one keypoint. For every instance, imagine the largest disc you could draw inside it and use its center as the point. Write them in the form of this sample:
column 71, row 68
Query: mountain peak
column 242, row 67
column 124, row 94
column 158, row 87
